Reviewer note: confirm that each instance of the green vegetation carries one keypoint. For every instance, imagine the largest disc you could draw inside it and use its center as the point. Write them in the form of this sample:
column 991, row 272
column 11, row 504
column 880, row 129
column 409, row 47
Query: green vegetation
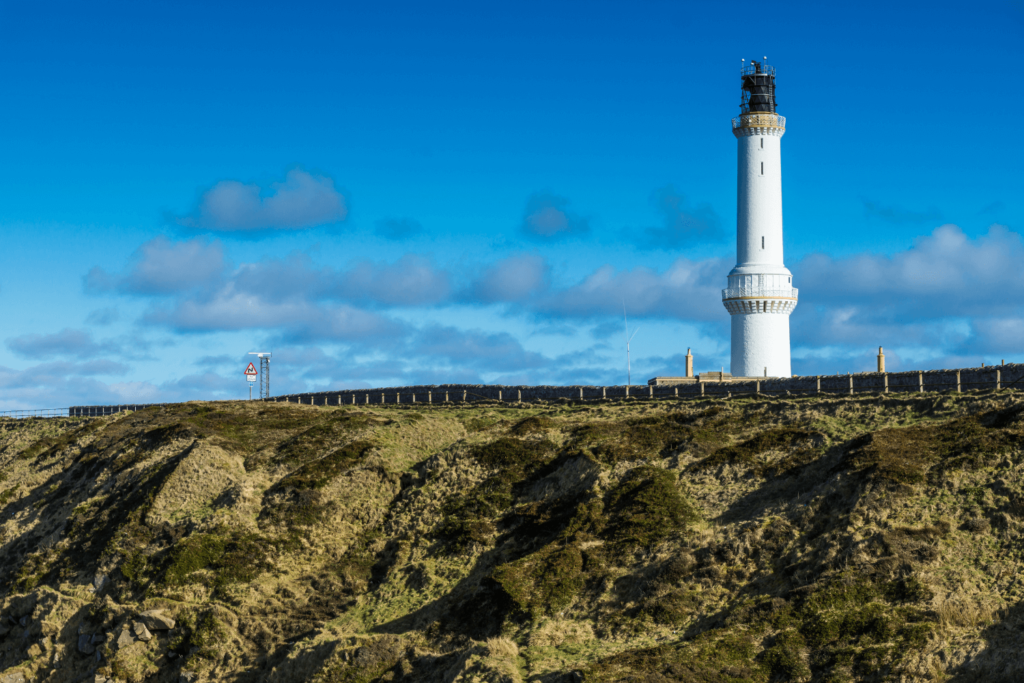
column 544, row 582
column 757, row 540
column 469, row 518
column 645, row 508
column 226, row 558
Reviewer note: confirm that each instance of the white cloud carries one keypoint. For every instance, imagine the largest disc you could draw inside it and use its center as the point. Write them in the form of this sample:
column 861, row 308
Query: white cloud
column 302, row 200
column 547, row 216
column 161, row 267
column 687, row 290
column 515, row 278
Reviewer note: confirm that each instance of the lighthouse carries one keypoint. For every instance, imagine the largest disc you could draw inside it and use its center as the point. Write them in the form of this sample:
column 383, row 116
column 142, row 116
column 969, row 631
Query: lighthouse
column 760, row 295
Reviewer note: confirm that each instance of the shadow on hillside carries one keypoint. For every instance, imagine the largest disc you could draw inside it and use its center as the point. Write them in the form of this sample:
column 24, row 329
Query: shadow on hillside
column 1002, row 660
column 475, row 607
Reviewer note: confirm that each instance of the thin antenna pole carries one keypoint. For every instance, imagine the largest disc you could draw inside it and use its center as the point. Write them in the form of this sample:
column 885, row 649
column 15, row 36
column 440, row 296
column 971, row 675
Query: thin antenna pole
column 629, row 338
column 625, row 322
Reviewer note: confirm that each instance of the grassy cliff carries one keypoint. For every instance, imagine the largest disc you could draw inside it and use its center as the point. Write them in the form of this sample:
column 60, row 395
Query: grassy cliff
column 753, row 540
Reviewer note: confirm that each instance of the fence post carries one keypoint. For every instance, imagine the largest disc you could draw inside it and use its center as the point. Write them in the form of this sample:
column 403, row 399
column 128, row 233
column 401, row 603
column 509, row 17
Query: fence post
column 464, row 395
column 885, row 380
column 650, row 387
column 604, row 392
column 999, row 377
column 757, row 387
column 430, row 397
column 519, row 395
column 581, row 393
column 677, row 392
column 958, row 381
column 851, row 383
column 702, row 388
column 499, row 394
column 398, row 398
column 627, row 391
column 920, row 382
column 446, row 397
column 819, row 385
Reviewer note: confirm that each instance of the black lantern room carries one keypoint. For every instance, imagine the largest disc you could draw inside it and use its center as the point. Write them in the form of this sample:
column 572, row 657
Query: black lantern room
column 758, row 83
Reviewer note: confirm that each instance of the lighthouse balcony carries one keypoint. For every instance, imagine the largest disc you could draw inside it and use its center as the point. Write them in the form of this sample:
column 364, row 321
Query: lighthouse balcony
column 759, row 293
column 758, row 300
column 760, row 123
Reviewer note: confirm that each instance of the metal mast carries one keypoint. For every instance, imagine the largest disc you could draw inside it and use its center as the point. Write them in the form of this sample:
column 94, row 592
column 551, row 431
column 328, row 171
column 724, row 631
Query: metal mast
column 264, row 357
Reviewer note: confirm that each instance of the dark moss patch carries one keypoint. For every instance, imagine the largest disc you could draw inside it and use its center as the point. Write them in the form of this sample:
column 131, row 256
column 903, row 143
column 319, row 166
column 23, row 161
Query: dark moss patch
column 320, row 438
column 544, row 582
column 228, row 558
column 514, row 456
column 645, row 508
column 906, row 456
column 713, row 657
column 907, row 590
column 671, row 609
column 469, row 518
column 852, row 624
column 302, row 504
column 614, row 442
column 7, row 494
column 532, row 425
column 372, row 661
column 786, row 658
column 197, row 632
column 55, row 444
column 35, row 569
column 746, row 452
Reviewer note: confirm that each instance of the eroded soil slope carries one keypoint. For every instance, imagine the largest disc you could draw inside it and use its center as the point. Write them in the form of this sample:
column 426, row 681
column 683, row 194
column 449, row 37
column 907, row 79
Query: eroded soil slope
column 859, row 539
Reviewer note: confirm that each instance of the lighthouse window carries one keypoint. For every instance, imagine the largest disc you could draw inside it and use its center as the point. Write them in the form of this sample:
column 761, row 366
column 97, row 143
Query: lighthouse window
column 762, row 168
column 762, row 242
column 762, row 143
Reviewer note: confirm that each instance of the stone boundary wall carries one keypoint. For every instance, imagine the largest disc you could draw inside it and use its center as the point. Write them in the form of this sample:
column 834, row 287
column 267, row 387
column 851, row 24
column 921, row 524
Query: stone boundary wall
column 1010, row 376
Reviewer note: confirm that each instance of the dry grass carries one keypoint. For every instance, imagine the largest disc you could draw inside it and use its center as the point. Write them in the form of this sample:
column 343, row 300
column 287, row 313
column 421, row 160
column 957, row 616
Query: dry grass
column 802, row 553
column 555, row 632
column 958, row 613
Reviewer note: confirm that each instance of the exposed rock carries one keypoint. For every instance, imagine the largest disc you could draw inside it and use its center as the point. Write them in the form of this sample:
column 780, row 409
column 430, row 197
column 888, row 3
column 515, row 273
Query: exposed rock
column 16, row 677
column 99, row 582
column 157, row 620
column 125, row 639
column 85, row 645
column 141, row 632
column 22, row 605
column 188, row 677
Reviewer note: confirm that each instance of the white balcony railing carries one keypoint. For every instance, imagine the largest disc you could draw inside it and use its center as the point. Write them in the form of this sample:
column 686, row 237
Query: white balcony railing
column 758, row 293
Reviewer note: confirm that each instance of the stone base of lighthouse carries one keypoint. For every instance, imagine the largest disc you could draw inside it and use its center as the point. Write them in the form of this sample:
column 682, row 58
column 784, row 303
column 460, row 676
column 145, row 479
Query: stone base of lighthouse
column 760, row 344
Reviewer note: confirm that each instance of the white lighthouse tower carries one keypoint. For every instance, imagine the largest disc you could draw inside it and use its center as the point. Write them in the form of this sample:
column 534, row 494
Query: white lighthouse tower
column 760, row 295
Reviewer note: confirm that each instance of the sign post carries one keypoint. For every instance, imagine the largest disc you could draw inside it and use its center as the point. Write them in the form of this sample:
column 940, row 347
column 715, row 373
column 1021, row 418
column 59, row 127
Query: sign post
column 251, row 374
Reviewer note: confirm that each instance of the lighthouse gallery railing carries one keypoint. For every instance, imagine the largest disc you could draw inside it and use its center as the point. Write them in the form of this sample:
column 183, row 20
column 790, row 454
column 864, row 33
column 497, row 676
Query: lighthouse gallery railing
column 759, row 293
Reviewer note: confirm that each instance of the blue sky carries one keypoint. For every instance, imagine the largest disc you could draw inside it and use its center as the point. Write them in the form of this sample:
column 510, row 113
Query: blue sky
column 391, row 193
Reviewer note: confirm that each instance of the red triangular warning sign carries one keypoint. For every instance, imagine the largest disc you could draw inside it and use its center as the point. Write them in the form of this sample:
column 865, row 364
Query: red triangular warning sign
column 251, row 370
